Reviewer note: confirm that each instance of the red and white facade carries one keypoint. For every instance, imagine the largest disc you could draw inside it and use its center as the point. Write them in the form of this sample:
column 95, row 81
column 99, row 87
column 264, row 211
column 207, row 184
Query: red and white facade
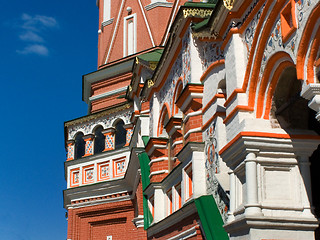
column 203, row 123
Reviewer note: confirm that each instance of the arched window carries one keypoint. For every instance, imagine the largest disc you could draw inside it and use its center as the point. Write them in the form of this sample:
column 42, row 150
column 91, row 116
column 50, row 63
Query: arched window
column 177, row 92
column 287, row 104
column 79, row 145
column 164, row 118
column 99, row 140
column 120, row 135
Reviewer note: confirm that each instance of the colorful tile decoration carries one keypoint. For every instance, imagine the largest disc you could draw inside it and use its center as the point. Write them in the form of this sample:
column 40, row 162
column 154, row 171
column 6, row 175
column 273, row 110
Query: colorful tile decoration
column 104, row 171
column 128, row 136
column 119, row 167
column 74, row 177
column 88, row 174
column 89, row 147
column 70, row 154
column 109, row 141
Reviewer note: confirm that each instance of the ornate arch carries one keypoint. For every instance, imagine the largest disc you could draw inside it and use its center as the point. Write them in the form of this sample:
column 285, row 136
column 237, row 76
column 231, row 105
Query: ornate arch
column 177, row 91
column 164, row 111
column 274, row 67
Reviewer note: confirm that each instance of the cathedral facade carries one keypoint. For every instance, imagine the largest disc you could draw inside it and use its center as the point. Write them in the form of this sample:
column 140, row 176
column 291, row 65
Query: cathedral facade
column 203, row 123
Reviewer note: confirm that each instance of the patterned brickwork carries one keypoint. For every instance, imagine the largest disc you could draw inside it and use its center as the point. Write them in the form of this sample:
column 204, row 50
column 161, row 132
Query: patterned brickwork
column 109, row 141
column 89, row 148
column 70, row 154
column 128, row 136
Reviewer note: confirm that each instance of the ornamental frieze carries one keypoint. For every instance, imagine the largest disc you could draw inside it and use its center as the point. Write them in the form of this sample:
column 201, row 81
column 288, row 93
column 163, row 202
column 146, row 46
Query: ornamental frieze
column 105, row 121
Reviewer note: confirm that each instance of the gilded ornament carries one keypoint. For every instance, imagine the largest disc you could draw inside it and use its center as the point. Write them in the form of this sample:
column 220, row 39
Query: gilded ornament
column 150, row 83
column 228, row 4
column 153, row 65
column 197, row 12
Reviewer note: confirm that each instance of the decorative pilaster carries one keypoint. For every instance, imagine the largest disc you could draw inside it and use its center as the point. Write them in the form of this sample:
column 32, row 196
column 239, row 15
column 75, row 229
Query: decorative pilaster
column 129, row 128
column 89, row 144
column 157, row 149
column 232, row 206
column 109, row 142
column 304, row 166
column 252, row 206
column 174, row 130
column 70, row 149
column 190, row 103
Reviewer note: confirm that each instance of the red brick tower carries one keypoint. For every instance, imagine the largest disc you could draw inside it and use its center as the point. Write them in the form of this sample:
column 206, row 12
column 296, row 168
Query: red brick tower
column 104, row 190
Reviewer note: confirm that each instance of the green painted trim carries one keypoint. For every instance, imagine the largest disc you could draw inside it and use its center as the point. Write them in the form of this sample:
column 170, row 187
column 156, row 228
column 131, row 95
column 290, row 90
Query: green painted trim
column 145, row 140
column 200, row 25
column 153, row 56
column 210, row 218
column 211, row 4
column 145, row 169
column 147, row 215
column 145, row 172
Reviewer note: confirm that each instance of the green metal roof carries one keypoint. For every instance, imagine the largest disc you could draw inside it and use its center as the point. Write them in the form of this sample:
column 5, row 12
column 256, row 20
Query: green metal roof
column 153, row 56
column 210, row 218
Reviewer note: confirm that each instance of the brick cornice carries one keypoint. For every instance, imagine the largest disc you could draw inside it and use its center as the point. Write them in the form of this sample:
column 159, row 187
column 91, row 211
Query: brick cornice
column 173, row 125
column 155, row 143
column 190, row 92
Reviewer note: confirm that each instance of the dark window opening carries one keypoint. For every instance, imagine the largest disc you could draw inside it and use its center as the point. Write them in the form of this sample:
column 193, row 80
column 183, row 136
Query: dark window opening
column 287, row 104
column 99, row 140
column 120, row 135
column 79, row 146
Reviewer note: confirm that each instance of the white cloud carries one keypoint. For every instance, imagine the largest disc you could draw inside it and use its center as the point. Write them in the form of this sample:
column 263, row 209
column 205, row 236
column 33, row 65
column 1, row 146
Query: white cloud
column 35, row 49
column 32, row 28
column 38, row 22
column 30, row 36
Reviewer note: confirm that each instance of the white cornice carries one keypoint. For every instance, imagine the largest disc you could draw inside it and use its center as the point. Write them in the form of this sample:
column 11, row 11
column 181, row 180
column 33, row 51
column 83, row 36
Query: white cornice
column 106, row 23
column 104, row 73
column 106, row 94
column 158, row 4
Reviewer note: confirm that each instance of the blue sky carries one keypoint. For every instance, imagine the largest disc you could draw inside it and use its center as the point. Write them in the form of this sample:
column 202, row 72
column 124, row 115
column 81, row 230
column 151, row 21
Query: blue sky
column 45, row 48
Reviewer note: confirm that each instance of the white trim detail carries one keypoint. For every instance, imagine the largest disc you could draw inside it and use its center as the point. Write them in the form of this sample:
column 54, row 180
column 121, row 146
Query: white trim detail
column 158, row 4
column 115, row 31
column 176, row 143
column 145, row 111
column 185, row 235
column 192, row 114
column 155, row 147
column 192, row 131
column 171, row 21
column 158, row 160
column 107, row 22
column 147, row 24
column 106, row 10
column 126, row 34
column 158, row 172
column 106, row 94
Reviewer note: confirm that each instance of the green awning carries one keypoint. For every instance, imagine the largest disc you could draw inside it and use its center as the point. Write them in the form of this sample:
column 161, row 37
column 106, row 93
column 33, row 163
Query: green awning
column 210, row 218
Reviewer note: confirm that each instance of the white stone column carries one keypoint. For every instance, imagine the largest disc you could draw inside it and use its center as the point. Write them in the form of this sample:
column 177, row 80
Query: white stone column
column 252, row 206
column 304, row 166
column 198, row 174
column 159, row 206
column 232, row 205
